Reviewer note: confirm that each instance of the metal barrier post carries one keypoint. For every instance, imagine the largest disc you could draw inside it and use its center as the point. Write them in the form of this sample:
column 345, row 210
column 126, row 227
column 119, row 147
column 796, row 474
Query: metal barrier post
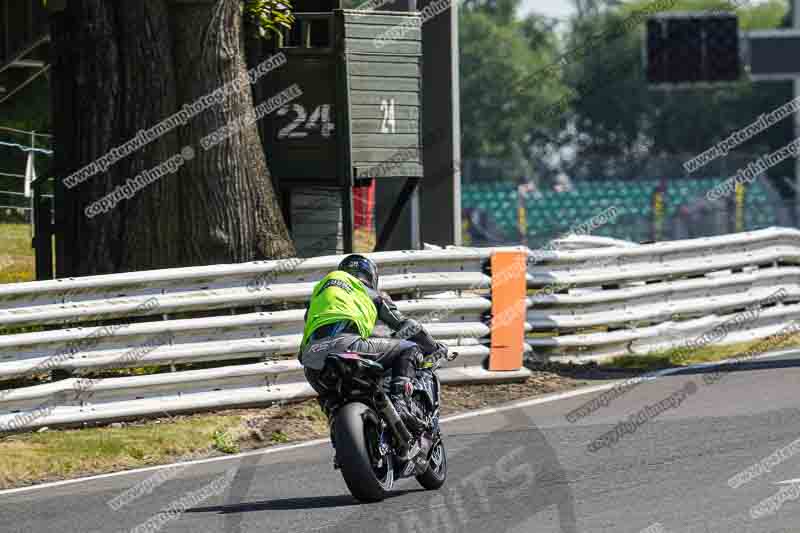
column 42, row 217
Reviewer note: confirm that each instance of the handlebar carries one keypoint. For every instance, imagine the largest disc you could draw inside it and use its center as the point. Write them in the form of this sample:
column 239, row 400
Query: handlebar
column 437, row 357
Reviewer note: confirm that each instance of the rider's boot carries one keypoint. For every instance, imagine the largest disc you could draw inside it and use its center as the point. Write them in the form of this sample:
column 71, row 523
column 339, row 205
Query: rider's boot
column 401, row 390
column 410, row 451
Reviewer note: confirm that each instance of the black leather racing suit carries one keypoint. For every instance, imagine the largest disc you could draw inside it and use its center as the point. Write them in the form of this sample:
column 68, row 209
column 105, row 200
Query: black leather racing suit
column 400, row 353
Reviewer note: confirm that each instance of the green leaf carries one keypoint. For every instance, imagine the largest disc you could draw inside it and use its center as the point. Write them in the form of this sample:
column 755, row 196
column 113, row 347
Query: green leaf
column 269, row 15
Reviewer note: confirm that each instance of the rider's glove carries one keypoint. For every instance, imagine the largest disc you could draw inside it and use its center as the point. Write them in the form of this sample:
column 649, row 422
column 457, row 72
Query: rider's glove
column 440, row 352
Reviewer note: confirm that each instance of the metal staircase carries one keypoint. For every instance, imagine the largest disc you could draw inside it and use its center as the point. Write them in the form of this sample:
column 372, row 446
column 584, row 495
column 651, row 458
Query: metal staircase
column 24, row 44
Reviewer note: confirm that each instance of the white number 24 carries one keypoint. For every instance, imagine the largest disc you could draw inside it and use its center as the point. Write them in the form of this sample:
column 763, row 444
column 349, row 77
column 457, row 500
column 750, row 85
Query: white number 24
column 388, row 124
column 319, row 119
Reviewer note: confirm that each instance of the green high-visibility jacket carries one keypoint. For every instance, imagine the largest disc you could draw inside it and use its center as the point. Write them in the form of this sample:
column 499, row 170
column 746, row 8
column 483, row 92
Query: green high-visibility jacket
column 340, row 296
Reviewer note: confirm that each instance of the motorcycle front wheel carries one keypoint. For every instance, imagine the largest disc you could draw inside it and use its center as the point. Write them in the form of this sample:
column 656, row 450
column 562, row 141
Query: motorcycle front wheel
column 368, row 476
column 436, row 474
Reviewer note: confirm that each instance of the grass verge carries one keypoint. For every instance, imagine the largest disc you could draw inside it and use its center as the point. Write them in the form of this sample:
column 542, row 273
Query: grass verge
column 50, row 455
column 16, row 255
column 677, row 357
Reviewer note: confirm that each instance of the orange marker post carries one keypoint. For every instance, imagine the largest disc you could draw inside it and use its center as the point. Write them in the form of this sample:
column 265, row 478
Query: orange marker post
column 509, row 290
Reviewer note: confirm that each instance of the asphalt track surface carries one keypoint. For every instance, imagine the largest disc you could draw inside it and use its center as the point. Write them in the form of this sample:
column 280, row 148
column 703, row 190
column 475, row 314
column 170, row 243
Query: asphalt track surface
column 523, row 469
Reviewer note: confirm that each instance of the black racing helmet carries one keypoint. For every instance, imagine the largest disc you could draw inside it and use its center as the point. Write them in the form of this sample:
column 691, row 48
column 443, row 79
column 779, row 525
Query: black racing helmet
column 362, row 268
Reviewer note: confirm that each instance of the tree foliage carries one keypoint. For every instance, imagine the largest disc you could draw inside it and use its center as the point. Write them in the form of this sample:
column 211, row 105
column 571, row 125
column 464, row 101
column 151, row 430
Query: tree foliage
column 499, row 56
column 269, row 16
column 528, row 93
column 620, row 125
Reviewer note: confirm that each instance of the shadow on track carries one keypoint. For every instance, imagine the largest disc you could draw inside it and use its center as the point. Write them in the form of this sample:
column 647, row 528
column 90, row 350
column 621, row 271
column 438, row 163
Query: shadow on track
column 510, row 470
column 293, row 504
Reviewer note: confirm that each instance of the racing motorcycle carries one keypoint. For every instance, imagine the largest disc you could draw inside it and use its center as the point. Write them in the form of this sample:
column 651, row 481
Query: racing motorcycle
column 370, row 439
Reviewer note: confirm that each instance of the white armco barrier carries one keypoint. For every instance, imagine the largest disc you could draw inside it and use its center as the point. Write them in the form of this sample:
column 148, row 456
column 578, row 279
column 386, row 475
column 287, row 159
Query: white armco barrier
column 605, row 302
column 144, row 324
column 588, row 299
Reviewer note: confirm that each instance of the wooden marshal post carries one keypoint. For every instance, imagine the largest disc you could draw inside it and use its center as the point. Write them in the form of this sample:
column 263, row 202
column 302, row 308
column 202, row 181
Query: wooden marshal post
column 509, row 309
column 358, row 118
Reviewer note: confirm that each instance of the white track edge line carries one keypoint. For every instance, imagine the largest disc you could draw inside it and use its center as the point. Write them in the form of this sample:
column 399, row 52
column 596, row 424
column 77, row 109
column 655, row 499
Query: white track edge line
column 264, row 451
column 491, row 410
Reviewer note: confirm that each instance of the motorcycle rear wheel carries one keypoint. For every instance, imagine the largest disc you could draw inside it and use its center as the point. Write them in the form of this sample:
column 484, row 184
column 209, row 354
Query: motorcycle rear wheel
column 353, row 429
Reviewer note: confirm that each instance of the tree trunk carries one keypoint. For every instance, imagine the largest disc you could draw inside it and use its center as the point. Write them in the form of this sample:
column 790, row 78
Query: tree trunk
column 233, row 214
column 122, row 67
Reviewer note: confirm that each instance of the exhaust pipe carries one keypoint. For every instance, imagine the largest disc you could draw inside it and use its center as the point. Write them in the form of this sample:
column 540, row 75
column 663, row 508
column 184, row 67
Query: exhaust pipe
column 395, row 422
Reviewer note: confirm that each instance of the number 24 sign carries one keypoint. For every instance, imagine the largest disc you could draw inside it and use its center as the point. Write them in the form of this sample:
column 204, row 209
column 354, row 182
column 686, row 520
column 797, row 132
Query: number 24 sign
column 303, row 124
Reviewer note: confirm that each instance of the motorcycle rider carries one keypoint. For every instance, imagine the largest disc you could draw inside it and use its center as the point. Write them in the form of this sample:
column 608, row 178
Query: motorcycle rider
column 341, row 317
